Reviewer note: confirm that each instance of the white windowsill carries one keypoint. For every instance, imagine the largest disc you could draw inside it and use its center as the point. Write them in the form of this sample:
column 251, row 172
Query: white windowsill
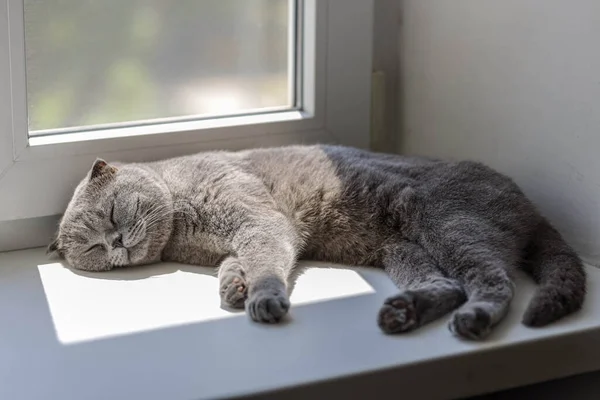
column 158, row 333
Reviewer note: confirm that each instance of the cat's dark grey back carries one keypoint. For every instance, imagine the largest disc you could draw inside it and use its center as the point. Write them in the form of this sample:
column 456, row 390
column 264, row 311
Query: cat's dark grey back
column 349, row 202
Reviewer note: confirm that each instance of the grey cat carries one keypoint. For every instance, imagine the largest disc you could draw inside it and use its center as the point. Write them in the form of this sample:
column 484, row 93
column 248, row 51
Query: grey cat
column 447, row 233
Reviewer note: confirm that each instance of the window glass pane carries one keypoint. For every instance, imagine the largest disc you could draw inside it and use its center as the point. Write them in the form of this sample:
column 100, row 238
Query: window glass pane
column 103, row 62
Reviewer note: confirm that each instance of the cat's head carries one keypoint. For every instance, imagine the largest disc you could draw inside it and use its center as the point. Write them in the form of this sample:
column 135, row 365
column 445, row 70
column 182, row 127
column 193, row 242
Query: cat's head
column 117, row 217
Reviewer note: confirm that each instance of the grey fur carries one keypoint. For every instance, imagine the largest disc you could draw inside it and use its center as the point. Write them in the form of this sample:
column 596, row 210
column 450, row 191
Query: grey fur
column 448, row 234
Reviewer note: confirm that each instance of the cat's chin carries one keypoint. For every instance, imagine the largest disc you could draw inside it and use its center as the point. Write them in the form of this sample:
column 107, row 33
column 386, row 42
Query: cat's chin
column 145, row 253
column 138, row 254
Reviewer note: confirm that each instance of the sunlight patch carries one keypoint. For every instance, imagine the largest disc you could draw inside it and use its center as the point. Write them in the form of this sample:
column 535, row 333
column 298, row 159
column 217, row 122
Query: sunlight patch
column 91, row 306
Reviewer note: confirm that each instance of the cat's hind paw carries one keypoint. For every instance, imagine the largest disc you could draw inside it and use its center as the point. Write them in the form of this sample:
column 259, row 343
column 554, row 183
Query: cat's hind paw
column 398, row 314
column 471, row 322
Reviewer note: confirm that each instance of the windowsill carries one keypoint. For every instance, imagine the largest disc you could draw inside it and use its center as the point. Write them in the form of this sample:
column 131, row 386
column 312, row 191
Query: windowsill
column 158, row 333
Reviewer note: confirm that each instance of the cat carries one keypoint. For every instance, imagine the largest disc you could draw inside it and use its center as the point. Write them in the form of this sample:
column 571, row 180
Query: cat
column 447, row 233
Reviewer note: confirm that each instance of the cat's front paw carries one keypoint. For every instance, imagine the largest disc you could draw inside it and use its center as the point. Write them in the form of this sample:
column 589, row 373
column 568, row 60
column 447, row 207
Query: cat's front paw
column 267, row 305
column 233, row 289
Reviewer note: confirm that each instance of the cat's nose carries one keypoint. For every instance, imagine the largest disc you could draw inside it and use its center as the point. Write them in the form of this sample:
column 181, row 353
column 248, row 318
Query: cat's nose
column 118, row 242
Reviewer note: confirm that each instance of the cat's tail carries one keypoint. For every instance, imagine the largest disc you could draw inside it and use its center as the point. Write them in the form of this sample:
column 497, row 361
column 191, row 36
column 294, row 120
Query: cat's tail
column 560, row 274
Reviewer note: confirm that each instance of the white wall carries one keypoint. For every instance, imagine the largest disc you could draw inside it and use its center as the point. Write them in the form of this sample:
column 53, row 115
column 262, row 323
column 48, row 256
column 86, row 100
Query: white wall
column 386, row 19
column 515, row 83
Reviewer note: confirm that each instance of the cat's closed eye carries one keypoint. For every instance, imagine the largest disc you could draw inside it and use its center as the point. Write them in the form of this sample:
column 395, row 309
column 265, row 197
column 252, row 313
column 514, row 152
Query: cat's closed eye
column 137, row 207
column 112, row 214
column 95, row 247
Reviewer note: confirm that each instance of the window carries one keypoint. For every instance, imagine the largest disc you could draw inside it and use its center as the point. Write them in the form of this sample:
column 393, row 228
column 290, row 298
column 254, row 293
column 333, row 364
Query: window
column 141, row 80
column 94, row 64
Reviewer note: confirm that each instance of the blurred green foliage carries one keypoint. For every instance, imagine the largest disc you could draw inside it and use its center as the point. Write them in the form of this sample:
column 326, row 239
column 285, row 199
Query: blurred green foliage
column 111, row 61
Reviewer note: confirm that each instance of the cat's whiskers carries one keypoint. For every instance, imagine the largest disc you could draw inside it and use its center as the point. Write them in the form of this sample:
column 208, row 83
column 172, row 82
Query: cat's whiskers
column 155, row 213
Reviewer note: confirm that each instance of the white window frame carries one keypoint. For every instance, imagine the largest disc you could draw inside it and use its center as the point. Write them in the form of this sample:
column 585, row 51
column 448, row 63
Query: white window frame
column 38, row 175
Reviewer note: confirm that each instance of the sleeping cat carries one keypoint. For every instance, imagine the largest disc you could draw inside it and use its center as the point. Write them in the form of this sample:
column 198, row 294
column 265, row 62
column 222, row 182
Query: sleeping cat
column 447, row 233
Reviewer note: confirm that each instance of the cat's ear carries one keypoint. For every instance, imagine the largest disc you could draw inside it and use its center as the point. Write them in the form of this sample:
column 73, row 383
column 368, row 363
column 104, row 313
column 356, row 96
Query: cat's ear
column 101, row 168
column 55, row 249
